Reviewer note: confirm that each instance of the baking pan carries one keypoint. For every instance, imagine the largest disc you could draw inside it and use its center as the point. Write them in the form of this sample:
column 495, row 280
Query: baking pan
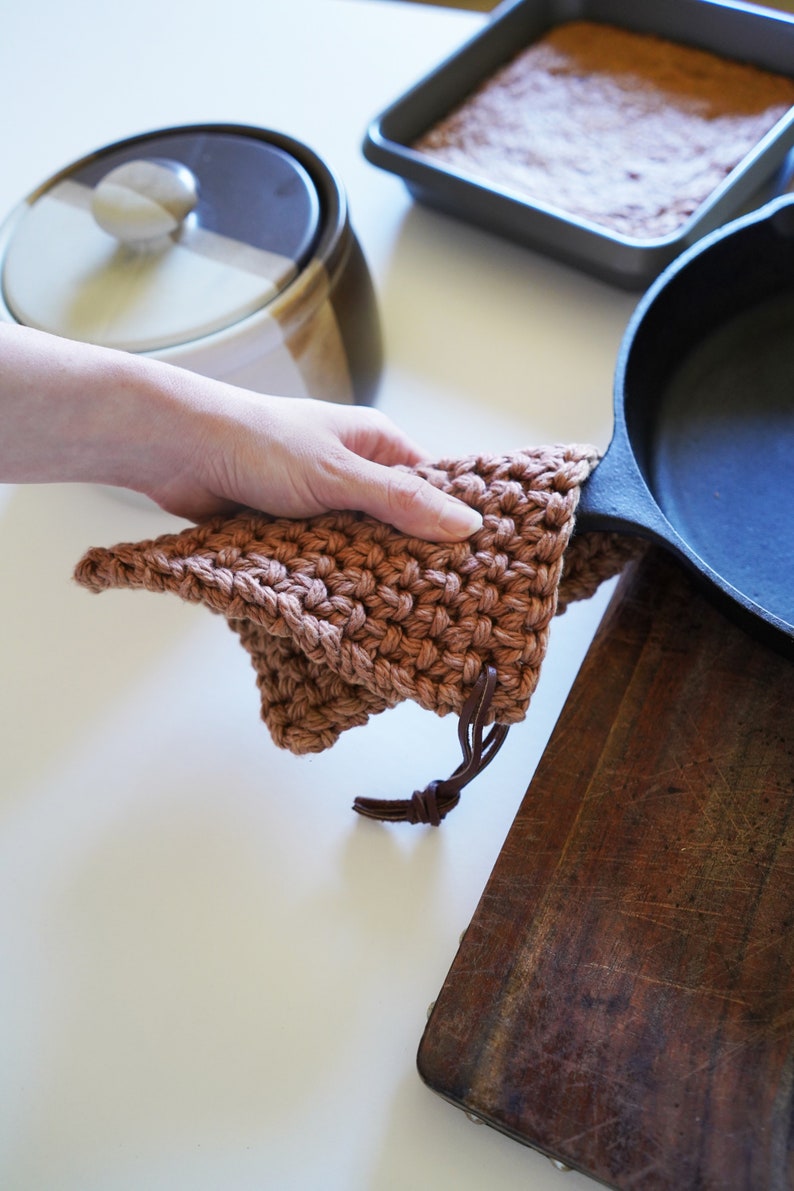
column 730, row 30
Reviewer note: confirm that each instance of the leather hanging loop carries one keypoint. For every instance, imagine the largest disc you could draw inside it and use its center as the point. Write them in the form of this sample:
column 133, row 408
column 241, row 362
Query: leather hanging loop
column 433, row 803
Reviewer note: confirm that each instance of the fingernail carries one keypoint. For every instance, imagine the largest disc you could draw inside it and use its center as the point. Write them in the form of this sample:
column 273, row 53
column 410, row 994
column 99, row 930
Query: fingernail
column 459, row 520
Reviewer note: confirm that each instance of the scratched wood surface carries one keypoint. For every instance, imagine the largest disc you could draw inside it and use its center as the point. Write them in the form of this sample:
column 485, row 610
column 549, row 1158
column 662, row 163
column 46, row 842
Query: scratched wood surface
column 623, row 999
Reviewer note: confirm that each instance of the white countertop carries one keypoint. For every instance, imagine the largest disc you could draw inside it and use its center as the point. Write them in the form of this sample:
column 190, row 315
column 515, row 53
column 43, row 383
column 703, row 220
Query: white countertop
column 213, row 975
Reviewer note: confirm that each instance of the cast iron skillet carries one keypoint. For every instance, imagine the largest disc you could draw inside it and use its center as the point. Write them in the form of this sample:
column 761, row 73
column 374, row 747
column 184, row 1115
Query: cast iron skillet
column 702, row 454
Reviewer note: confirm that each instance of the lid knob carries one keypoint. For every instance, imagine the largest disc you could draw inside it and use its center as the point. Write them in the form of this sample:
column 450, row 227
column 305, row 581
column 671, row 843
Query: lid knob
column 144, row 200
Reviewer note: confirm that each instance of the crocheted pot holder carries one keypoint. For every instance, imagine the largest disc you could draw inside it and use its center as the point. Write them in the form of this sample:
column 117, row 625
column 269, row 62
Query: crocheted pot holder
column 343, row 616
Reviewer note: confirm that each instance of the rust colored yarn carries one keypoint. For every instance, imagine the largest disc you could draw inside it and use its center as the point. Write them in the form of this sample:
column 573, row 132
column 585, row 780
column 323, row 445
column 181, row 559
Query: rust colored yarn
column 344, row 616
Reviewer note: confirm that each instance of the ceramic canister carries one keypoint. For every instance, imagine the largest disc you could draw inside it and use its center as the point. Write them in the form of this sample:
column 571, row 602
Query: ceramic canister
column 224, row 249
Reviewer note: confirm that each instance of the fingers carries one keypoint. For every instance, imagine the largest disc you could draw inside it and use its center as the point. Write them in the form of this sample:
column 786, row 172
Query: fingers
column 298, row 458
column 348, row 460
column 409, row 503
column 372, row 435
column 405, row 501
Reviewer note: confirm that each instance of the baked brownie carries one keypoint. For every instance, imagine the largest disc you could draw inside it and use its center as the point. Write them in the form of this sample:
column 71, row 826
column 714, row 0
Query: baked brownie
column 627, row 130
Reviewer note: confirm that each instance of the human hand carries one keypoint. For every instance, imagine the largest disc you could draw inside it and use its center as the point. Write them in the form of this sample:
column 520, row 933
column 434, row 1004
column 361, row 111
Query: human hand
column 297, row 458
column 198, row 446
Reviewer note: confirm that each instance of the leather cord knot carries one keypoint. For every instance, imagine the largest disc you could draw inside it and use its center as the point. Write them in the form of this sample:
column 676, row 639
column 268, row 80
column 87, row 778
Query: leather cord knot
column 439, row 797
column 424, row 806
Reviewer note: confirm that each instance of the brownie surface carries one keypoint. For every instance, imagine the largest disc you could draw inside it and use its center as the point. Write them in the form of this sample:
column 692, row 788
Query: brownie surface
column 628, row 130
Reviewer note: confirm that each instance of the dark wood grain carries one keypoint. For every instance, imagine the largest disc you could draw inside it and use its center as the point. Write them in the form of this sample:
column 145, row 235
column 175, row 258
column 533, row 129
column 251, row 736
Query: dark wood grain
column 623, row 999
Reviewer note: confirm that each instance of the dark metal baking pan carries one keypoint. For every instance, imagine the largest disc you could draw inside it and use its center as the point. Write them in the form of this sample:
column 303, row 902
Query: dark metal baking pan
column 731, row 30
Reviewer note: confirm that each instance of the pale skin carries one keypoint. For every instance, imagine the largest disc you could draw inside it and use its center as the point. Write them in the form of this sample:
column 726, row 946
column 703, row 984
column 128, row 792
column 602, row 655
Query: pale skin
column 71, row 412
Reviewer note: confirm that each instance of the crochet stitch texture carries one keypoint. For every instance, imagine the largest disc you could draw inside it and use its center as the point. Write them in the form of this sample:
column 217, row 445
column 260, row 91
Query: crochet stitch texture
column 343, row 616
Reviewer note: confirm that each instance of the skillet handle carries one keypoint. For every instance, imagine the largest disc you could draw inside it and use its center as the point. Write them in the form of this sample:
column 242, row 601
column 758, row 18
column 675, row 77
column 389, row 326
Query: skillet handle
column 616, row 498
column 784, row 179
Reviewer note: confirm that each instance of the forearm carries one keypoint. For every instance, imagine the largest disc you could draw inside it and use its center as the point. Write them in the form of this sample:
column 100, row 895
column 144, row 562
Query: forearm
column 72, row 412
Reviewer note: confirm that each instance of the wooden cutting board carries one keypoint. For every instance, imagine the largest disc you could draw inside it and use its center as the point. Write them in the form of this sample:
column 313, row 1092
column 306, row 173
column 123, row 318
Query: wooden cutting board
column 623, row 999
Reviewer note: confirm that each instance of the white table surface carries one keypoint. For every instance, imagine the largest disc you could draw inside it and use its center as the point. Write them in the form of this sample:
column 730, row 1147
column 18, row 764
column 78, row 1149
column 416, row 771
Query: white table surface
column 213, row 975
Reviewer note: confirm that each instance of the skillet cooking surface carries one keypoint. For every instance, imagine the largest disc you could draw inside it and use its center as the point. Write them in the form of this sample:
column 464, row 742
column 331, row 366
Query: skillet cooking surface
column 721, row 459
